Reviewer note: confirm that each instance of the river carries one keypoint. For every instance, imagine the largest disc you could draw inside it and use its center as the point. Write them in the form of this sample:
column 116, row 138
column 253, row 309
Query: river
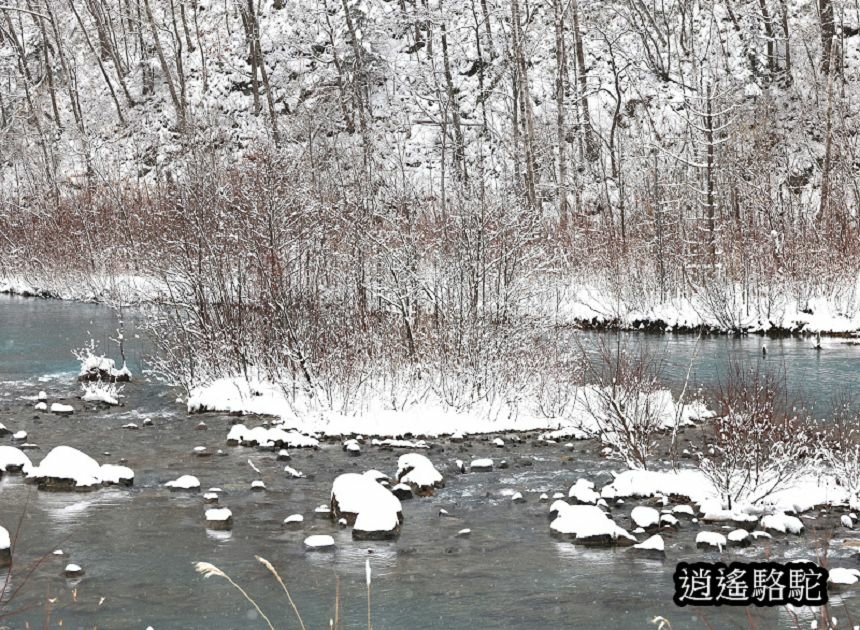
column 138, row 545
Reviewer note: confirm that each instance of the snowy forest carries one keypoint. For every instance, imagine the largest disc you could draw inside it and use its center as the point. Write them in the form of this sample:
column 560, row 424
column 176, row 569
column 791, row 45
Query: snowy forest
column 580, row 253
column 442, row 175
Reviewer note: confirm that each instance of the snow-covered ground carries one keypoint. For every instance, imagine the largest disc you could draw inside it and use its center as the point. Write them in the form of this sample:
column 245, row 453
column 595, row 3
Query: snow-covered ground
column 427, row 417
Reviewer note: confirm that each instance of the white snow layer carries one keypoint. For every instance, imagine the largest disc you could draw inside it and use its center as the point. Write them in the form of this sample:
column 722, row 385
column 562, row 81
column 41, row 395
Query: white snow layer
column 417, row 471
column 655, row 543
column 360, row 494
column 218, row 514
column 14, row 457
column 275, row 436
column 424, row 418
column 586, row 521
column 185, row 482
column 65, row 462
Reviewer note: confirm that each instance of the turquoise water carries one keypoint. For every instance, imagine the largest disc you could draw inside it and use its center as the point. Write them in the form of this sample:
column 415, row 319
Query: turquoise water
column 138, row 545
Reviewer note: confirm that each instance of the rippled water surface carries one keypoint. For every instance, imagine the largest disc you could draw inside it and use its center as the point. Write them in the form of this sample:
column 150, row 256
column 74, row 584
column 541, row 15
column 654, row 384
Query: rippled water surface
column 137, row 545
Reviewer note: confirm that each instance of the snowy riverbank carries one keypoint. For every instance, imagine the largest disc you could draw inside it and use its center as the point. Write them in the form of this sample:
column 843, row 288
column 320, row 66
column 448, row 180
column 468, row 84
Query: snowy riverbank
column 427, row 416
column 586, row 305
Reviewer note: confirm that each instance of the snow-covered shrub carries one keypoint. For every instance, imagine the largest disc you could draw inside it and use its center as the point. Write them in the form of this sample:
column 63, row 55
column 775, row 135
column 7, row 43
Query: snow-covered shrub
column 101, row 391
column 97, row 367
column 760, row 439
column 839, row 447
column 626, row 405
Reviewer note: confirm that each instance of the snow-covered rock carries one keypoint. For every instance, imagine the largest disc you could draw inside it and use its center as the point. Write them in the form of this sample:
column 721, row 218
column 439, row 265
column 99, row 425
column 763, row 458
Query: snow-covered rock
column 73, row 571
column 67, row 468
column 499, row 443
column 270, row 437
column 258, row 485
column 782, row 523
column 112, row 474
column 653, row 546
column 484, row 464
column 185, row 482
column 739, row 538
column 419, row 473
column 710, row 539
column 464, row 533
column 373, row 510
column 319, row 542
column 517, row 497
column 844, row 577
column 13, row 460
column 589, row 525
column 100, row 368
column 294, row 521
column 210, row 497
column 352, row 447
column 686, row 510
column 219, row 519
column 583, row 493
column 41, row 406
column 392, row 443
column 5, row 548
column 645, row 517
column 62, row 410
column 846, row 521
column 19, row 436
column 668, row 520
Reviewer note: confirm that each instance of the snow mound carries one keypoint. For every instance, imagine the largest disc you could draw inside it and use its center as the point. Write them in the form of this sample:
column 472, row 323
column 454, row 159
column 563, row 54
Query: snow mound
column 418, row 472
column 14, row 460
column 392, row 443
column 185, row 482
column 319, row 542
column 688, row 483
column 711, row 539
column 655, row 543
column 782, row 523
column 583, row 492
column 587, row 524
column 67, row 468
column 220, row 519
column 374, row 511
column 275, row 437
column 844, row 577
column 645, row 517
column 117, row 475
column 484, row 464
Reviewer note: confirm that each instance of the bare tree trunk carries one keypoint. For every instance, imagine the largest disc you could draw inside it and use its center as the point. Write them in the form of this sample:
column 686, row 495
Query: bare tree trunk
column 100, row 63
column 709, row 176
column 591, row 151
column 453, row 106
column 162, row 60
column 561, row 125
column 828, row 32
column 524, row 98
